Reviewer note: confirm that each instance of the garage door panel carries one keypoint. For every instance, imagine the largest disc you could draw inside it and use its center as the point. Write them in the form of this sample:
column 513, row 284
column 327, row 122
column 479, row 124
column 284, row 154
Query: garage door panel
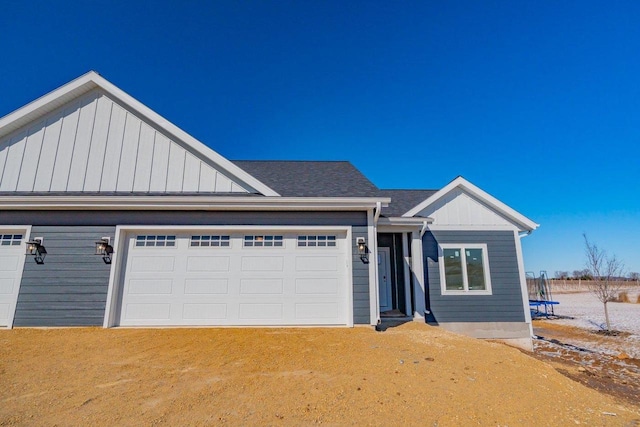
column 262, row 263
column 9, row 263
column 148, row 311
column 317, row 310
column 261, row 286
column 152, row 263
column 7, row 286
column 150, row 286
column 317, row 263
column 234, row 284
column 208, row 263
column 261, row 311
column 314, row 286
column 200, row 311
column 206, row 286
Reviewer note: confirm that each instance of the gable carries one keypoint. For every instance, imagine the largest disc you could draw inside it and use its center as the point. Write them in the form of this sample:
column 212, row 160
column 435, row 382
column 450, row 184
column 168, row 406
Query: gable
column 460, row 203
column 89, row 136
column 460, row 208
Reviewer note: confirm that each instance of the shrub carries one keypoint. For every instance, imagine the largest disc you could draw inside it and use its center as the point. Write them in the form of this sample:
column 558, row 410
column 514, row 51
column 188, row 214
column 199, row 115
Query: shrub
column 623, row 297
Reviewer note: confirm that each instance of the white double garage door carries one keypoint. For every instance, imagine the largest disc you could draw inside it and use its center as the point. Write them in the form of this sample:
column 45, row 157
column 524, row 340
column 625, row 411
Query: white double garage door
column 236, row 278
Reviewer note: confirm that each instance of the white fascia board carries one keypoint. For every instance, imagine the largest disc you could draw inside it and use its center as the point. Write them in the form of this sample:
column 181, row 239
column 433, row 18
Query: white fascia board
column 187, row 203
column 93, row 80
column 525, row 223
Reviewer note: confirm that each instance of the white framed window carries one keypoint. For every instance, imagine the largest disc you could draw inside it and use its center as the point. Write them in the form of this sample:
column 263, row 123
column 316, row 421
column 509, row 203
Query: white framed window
column 316, row 241
column 155, row 241
column 210, row 241
column 263, row 241
column 10, row 239
column 464, row 269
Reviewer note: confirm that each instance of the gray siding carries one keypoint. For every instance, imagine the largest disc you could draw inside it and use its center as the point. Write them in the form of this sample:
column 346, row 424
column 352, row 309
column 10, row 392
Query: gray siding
column 504, row 305
column 112, row 218
column 70, row 288
column 361, row 314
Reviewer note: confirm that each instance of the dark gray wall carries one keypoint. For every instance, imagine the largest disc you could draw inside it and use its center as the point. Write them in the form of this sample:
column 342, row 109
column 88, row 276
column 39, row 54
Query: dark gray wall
column 70, row 288
column 93, row 218
column 361, row 314
column 505, row 305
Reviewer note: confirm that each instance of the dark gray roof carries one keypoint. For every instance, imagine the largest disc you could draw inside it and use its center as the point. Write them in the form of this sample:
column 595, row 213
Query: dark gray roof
column 310, row 178
column 403, row 200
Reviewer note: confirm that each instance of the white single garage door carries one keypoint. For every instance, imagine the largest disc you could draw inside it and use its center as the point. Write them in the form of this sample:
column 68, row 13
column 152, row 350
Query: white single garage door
column 11, row 264
column 236, row 278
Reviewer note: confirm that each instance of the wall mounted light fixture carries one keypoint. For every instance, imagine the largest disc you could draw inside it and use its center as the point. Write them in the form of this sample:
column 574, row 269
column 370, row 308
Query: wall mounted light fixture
column 36, row 249
column 363, row 251
column 104, row 249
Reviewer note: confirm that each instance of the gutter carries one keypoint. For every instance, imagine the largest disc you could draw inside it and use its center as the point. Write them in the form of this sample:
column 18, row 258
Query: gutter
column 149, row 202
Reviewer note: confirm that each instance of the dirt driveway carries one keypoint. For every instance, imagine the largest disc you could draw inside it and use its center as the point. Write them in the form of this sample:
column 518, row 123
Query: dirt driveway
column 412, row 374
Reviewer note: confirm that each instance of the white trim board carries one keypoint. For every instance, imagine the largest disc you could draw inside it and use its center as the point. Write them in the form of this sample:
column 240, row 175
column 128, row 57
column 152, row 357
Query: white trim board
column 92, row 80
column 524, row 223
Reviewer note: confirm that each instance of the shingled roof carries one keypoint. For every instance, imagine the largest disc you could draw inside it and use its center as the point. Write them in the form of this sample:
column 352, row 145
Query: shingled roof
column 311, row 178
column 403, row 200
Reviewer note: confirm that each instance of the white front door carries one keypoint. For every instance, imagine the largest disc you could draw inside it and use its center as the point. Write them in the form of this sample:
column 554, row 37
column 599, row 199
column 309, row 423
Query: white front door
column 236, row 278
column 384, row 279
column 12, row 260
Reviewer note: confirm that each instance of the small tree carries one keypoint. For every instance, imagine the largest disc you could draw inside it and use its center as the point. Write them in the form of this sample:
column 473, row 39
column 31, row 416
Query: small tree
column 562, row 275
column 634, row 276
column 604, row 270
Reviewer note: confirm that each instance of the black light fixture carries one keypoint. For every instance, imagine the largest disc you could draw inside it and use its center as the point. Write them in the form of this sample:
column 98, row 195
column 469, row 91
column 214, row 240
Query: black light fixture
column 363, row 250
column 35, row 248
column 104, row 249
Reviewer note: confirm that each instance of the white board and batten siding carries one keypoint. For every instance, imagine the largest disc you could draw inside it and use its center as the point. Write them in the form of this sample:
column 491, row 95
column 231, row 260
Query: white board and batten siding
column 458, row 208
column 235, row 284
column 93, row 144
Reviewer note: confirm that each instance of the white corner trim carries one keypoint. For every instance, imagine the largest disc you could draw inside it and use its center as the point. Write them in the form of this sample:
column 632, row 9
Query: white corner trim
column 485, row 265
column 525, row 223
column 92, row 80
column 523, row 281
column 374, row 307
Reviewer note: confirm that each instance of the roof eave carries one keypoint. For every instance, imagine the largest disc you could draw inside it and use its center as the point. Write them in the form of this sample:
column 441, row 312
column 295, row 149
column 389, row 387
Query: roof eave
column 188, row 203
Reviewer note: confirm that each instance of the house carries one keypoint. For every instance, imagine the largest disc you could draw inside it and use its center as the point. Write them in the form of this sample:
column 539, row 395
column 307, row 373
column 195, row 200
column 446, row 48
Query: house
column 186, row 237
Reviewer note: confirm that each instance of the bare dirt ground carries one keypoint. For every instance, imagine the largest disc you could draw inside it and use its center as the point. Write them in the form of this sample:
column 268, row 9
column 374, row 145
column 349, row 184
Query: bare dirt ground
column 412, row 374
column 575, row 345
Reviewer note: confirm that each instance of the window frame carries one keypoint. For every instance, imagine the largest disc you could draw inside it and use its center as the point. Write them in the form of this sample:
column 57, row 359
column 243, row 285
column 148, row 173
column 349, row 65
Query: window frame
column 166, row 238
column 221, row 241
column 276, row 240
column 465, row 278
column 329, row 241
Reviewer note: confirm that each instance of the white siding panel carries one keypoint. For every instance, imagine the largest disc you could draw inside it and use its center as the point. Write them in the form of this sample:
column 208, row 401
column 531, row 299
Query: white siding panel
column 13, row 163
column 3, row 158
column 160, row 164
column 114, row 148
column 176, row 168
column 207, row 178
column 128, row 157
column 142, row 178
column 191, row 174
column 48, row 153
column 82, row 145
column 459, row 208
column 223, row 184
column 62, row 164
column 98, row 145
column 31, row 157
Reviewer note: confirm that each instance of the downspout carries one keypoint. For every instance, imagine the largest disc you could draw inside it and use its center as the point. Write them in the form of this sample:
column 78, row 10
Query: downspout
column 376, row 216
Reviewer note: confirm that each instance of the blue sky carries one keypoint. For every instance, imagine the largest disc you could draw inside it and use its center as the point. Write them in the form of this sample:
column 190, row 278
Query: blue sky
column 538, row 103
